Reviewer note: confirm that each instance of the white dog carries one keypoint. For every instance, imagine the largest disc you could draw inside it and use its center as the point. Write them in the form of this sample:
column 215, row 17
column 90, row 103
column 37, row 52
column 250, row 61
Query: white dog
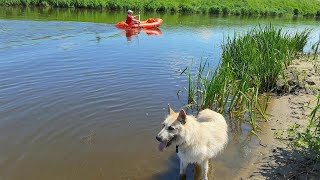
column 197, row 138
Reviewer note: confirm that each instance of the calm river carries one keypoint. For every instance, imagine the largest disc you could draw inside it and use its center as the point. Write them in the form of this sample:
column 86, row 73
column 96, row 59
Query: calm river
column 81, row 99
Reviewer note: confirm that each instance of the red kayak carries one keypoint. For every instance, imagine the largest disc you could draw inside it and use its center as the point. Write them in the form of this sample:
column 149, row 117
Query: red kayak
column 148, row 24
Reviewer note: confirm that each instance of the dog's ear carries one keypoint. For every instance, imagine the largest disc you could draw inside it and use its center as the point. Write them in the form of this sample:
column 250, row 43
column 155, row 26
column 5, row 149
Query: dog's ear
column 182, row 116
column 170, row 111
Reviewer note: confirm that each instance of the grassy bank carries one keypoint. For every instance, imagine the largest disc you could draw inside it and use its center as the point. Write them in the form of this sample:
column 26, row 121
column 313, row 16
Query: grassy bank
column 225, row 7
column 250, row 66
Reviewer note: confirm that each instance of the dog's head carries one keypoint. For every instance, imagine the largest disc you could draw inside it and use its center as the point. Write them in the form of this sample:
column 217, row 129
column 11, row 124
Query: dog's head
column 172, row 129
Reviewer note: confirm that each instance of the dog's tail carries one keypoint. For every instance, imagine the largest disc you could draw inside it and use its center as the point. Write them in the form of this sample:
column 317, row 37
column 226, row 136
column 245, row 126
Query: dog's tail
column 208, row 115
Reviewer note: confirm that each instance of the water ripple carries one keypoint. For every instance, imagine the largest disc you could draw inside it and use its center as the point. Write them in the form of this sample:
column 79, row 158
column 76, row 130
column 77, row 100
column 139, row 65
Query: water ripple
column 75, row 100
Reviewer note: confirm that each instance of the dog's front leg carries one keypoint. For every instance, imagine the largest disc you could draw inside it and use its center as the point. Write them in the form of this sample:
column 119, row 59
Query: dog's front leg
column 183, row 169
column 204, row 170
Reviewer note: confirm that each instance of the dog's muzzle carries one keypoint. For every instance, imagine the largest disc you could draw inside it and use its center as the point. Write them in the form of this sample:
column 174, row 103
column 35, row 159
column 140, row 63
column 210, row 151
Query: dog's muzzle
column 164, row 143
column 158, row 138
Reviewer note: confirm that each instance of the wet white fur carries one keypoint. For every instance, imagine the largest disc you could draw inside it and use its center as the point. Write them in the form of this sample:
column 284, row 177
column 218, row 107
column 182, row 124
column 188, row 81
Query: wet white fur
column 201, row 138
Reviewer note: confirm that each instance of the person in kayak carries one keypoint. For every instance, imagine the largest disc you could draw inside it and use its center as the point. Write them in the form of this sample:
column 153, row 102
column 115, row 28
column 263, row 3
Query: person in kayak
column 130, row 19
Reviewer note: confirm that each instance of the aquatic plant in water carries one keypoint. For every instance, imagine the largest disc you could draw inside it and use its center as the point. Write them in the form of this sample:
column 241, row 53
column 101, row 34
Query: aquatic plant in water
column 249, row 68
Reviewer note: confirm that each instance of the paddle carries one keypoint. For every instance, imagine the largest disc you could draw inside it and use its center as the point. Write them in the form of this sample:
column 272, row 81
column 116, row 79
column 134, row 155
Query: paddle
column 139, row 21
column 139, row 16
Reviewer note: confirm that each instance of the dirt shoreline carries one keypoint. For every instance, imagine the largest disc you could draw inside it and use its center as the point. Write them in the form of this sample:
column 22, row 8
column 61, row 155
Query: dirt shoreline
column 273, row 159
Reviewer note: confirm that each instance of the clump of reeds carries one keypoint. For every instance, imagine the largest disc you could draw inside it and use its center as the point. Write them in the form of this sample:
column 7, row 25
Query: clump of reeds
column 249, row 68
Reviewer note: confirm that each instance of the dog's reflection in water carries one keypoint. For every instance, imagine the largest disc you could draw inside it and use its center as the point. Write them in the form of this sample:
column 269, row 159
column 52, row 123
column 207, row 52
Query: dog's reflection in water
column 197, row 172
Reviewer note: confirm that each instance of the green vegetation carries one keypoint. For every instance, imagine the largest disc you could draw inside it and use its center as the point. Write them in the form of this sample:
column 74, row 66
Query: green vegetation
column 113, row 17
column 223, row 7
column 308, row 142
column 250, row 66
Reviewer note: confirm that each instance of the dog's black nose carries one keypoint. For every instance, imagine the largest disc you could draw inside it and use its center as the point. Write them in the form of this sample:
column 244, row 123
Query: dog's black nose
column 157, row 137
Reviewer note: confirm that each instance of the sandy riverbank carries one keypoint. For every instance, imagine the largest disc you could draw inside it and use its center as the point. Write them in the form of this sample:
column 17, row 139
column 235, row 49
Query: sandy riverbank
column 273, row 159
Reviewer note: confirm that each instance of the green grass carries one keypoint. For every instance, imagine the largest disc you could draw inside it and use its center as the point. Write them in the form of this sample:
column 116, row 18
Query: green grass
column 250, row 66
column 222, row 7
column 308, row 141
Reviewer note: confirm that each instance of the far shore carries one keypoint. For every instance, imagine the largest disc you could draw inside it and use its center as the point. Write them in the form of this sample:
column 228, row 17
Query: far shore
column 305, row 8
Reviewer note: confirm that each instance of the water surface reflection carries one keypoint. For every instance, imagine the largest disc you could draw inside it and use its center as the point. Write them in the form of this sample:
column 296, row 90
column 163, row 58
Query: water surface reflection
column 76, row 102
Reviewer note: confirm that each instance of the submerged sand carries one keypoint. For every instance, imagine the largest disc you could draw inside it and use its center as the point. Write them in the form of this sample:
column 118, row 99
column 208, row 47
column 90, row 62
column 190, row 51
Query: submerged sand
column 274, row 159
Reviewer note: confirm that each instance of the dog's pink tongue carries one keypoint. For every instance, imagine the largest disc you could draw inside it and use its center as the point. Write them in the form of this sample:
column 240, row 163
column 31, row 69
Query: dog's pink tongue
column 162, row 145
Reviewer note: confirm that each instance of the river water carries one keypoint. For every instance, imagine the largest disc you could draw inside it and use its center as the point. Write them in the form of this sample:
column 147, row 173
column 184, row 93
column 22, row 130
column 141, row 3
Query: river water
column 81, row 99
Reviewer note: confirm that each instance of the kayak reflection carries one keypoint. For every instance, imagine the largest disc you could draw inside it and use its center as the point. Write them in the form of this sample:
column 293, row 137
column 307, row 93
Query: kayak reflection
column 136, row 31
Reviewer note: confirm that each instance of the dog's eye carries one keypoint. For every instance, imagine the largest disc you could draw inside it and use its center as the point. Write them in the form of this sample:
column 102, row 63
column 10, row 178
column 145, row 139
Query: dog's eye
column 170, row 128
column 163, row 125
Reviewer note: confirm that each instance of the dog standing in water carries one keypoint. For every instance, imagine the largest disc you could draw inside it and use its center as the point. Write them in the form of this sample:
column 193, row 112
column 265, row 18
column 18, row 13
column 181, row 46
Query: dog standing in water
column 198, row 139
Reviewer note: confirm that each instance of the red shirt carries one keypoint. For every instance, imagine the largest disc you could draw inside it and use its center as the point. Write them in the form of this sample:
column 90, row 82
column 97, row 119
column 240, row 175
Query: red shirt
column 129, row 20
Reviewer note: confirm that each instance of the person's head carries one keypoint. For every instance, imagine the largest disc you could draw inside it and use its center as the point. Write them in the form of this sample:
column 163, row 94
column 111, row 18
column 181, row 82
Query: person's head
column 130, row 12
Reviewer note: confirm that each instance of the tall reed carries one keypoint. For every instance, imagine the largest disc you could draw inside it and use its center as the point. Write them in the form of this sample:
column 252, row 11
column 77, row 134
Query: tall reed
column 248, row 70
